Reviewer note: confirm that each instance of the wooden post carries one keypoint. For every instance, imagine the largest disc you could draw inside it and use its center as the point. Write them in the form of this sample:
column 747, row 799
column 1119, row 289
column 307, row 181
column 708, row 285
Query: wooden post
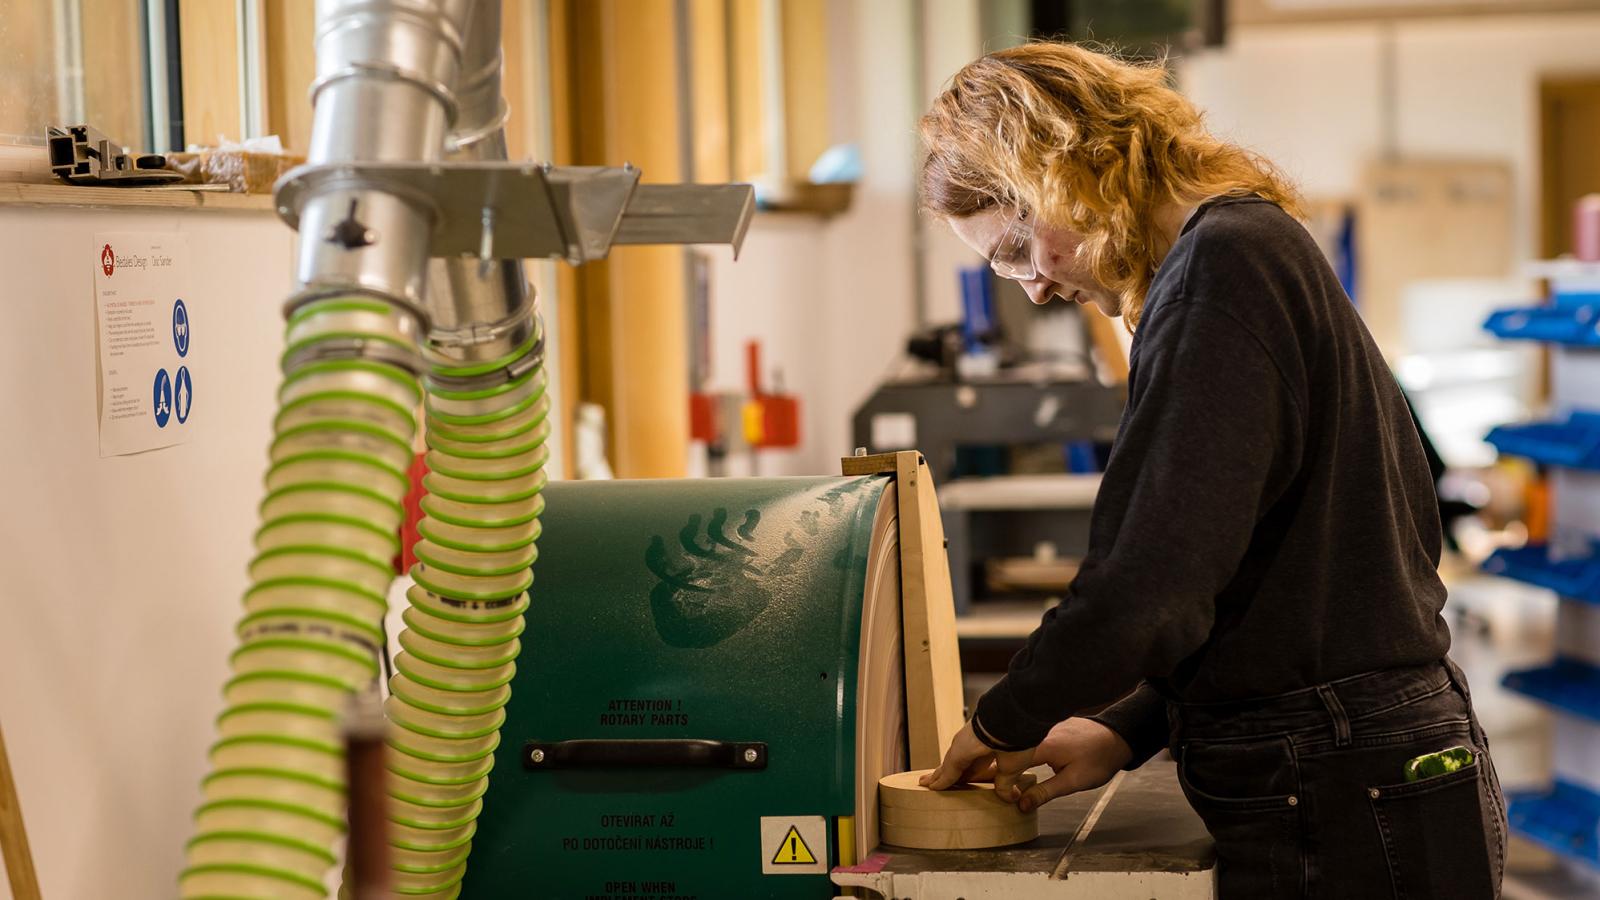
column 13, row 836
column 210, row 51
column 633, row 346
column 806, row 131
column 710, row 91
column 291, row 65
column 934, row 708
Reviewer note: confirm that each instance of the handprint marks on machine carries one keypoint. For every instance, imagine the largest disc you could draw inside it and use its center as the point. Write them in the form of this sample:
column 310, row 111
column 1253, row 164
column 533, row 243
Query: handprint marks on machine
column 710, row 584
column 718, row 574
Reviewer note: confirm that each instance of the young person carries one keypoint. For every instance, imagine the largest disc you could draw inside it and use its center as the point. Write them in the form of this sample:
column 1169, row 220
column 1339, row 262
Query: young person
column 1260, row 586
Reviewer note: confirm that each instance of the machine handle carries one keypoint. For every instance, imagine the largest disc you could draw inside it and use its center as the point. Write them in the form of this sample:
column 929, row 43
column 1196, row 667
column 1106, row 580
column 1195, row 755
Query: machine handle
column 683, row 753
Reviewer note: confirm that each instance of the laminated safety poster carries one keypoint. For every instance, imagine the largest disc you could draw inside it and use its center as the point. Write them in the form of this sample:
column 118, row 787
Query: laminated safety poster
column 143, row 316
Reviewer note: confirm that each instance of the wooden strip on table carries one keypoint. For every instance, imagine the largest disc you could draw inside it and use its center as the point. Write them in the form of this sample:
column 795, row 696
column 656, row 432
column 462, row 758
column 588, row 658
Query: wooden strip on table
column 1064, row 866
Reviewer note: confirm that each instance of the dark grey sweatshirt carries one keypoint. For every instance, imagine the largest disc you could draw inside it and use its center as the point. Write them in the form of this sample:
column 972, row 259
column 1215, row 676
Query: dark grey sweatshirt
column 1266, row 521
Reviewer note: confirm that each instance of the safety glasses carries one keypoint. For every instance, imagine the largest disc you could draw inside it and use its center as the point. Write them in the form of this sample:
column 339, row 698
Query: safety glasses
column 1013, row 255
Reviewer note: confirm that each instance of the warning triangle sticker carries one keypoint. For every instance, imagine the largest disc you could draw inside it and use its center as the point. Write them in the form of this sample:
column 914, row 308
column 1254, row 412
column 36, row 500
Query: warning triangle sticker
column 793, row 851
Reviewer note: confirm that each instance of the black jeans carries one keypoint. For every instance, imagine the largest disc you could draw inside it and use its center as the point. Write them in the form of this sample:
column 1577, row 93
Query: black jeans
column 1306, row 797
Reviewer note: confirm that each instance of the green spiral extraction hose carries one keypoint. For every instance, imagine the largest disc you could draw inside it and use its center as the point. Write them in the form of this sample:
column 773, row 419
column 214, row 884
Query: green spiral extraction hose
column 273, row 804
column 486, row 433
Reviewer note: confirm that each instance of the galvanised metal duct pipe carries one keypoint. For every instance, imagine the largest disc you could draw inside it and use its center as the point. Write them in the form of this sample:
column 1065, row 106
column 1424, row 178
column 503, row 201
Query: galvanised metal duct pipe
column 480, row 310
column 385, row 91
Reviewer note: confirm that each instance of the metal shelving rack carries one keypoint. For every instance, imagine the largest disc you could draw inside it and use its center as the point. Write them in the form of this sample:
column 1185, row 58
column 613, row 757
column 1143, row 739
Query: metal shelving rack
column 1564, row 817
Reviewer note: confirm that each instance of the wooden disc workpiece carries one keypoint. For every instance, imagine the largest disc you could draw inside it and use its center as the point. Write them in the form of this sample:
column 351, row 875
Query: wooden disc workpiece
column 966, row 816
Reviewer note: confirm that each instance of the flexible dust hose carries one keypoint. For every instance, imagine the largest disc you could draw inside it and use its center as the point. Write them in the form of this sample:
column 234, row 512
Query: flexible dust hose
column 273, row 804
column 486, row 432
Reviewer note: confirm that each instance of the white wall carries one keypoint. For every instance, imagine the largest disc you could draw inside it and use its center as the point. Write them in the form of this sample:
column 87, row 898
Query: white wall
column 1310, row 96
column 124, row 575
column 952, row 39
column 833, row 301
column 774, row 294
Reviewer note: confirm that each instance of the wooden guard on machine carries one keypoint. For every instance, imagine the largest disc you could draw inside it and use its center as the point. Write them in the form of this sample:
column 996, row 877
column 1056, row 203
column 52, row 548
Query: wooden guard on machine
column 932, row 658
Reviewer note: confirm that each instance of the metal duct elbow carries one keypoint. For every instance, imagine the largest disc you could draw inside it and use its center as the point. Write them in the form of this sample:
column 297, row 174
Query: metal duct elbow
column 385, row 90
column 480, row 310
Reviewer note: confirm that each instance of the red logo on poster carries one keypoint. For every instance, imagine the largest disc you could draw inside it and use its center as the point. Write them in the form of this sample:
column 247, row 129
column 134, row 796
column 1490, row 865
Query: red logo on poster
column 108, row 261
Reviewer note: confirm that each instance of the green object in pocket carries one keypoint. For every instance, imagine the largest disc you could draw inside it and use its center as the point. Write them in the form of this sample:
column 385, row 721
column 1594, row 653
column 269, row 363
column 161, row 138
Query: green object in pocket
column 1430, row 765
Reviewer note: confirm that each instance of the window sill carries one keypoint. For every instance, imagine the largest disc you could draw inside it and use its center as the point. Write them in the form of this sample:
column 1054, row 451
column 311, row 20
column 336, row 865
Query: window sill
column 42, row 195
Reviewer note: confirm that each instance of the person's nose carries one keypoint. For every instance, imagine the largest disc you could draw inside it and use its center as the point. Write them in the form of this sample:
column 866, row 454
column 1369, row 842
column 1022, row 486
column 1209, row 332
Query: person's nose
column 1038, row 290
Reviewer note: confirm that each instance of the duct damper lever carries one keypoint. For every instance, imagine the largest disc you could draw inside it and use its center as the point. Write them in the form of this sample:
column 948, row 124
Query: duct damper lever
column 523, row 210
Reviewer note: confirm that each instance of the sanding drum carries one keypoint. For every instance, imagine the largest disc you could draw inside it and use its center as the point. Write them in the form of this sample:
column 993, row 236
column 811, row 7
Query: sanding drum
column 965, row 817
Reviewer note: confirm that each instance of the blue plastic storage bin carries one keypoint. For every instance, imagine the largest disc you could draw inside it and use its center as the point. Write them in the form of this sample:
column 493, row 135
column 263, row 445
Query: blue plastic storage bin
column 1564, row 819
column 1569, row 685
column 1574, row 443
column 1576, row 578
column 1574, row 325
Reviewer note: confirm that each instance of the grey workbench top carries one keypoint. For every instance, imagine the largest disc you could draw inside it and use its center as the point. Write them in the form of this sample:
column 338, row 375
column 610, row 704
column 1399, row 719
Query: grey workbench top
column 1146, row 826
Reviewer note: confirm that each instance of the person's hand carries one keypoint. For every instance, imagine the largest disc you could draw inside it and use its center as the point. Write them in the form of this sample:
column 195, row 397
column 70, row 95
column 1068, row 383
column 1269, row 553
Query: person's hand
column 970, row 759
column 1084, row 755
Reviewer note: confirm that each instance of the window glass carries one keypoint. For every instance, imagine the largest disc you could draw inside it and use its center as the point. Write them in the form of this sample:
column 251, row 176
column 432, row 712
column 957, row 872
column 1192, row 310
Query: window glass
column 70, row 62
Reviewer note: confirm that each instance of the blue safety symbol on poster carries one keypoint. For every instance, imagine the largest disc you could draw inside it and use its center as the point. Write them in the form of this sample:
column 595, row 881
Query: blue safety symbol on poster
column 183, row 394
column 180, row 330
column 163, row 398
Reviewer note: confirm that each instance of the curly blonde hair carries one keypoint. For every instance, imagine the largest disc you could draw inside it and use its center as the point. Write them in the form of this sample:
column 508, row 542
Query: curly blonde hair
column 1087, row 142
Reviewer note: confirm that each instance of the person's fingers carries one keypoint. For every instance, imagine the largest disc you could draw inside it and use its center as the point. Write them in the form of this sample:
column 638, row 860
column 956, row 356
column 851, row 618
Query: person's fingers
column 950, row 769
column 1008, row 768
column 1066, row 781
column 1005, row 786
column 981, row 771
column 948, row 773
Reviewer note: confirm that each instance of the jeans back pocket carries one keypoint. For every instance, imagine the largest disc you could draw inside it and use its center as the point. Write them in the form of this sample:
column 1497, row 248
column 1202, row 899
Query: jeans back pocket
column 1434, row 835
